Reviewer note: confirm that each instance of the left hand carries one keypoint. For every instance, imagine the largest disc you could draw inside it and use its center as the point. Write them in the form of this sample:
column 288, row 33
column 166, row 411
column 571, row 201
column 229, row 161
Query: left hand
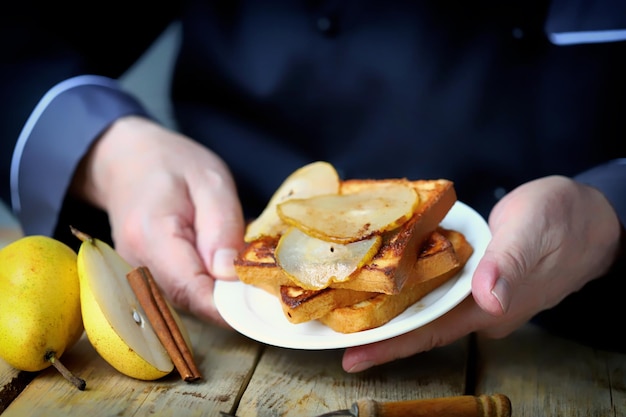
column 549, row 238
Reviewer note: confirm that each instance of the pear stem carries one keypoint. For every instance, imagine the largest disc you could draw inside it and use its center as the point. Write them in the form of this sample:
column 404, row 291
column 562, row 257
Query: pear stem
column 78, row 382
column 84, row 237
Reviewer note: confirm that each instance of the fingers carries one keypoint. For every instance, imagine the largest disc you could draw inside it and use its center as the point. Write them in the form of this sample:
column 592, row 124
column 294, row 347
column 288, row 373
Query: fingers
column 517, row 245
column 491, row 291
column 181, row 274
column 541, row 250
column 218, row 222
column 499, row 302
column 193, row 241
column 457, row 323
column 174, row 209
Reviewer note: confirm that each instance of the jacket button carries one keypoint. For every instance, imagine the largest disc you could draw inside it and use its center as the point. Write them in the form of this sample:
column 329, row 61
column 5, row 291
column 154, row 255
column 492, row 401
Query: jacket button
column 327, row 25
column 499, row 192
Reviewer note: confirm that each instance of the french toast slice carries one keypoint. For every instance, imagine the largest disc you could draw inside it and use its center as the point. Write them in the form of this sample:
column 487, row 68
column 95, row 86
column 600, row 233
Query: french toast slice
column 389, row 268
column 256, row 265
column 377, row 311
column 436, row 256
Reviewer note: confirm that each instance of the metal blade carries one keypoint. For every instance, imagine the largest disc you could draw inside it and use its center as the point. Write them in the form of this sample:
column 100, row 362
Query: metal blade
column 330, row 414
column 338, row 413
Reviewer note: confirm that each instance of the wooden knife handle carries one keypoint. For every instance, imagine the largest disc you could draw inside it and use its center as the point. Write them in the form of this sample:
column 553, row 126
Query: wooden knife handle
column 497, row 405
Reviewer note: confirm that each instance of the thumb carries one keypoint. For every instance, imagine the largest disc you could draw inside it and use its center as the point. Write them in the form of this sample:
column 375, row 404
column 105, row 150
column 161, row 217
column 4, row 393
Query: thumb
column 219, row 225
column 492, row 289
column 509, row 257
column 500, row 287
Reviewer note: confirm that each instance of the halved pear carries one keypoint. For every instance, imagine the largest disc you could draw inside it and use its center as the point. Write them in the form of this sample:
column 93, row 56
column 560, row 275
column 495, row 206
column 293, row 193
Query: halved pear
column 314, row 264
column 115, row 323
column 345, row 218
column 316, row 178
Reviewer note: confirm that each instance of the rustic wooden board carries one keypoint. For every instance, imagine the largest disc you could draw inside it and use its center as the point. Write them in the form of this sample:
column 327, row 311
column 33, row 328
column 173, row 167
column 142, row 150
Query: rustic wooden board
column 544, row 375
column 12, row 382
column 225, row 358
column 298, row 382
column 7, row 374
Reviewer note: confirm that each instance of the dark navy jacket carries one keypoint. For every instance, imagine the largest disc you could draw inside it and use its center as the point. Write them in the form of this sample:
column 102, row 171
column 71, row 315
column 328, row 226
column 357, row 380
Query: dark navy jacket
column 489, row 94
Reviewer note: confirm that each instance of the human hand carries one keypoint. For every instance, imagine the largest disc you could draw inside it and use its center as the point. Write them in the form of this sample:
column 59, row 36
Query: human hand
column 549, row 238
column 172, row 206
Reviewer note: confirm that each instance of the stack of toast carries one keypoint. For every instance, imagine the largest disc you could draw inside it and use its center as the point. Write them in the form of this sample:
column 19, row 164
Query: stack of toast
column 412, row 260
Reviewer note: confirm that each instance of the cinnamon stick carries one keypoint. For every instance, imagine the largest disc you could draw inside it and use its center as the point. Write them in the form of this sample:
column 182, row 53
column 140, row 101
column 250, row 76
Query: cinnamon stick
column 160, row 316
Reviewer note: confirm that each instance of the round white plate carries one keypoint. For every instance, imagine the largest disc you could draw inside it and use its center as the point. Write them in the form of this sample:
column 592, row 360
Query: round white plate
column 258, row 315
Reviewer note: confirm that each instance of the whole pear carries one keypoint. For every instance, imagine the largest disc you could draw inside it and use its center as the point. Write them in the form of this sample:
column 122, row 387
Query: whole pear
column 40, row 314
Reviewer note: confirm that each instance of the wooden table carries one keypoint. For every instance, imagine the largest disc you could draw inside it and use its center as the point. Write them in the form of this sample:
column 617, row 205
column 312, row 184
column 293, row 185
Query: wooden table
column 542, row 375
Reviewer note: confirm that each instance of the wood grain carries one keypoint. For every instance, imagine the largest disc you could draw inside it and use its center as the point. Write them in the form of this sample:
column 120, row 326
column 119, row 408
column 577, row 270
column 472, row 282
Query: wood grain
column 224, row 357
column 544, row 375
column 298, row 383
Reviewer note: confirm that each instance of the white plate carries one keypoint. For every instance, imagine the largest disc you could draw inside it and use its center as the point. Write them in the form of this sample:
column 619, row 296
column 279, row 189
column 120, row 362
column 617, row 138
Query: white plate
column 258, row 315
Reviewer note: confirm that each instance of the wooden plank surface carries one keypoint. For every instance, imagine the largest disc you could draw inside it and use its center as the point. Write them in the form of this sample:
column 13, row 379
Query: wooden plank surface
column 224, row 357
column 12, row 382
column 298, row 382
column 545, row 375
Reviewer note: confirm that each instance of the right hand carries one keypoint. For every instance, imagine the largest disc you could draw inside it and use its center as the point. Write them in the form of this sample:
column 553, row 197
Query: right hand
column 550, row 237
column 172, row 205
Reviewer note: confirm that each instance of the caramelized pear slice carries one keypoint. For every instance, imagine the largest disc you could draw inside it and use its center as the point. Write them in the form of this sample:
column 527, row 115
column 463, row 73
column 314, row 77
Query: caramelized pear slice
column 314, row 264
column 345, row 218
column 316, row 178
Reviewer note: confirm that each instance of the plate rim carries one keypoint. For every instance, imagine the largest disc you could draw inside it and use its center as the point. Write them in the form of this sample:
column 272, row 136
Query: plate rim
column 326, row 338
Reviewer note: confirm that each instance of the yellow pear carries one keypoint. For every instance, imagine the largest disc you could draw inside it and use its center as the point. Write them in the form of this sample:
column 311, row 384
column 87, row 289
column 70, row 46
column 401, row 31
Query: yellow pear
column 40, row 316
column 115, row 323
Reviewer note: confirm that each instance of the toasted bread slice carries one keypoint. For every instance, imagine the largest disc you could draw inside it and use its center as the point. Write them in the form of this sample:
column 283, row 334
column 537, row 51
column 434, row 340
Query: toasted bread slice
column 436, row 256
column 256, row 265
column 378, row 310
column 390, row 267
column 300, row 305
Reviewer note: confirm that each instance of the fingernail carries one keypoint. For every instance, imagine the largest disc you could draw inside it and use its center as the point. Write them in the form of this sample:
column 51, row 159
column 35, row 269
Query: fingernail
column 502, row 293
column 223, row 262
column 360, row 366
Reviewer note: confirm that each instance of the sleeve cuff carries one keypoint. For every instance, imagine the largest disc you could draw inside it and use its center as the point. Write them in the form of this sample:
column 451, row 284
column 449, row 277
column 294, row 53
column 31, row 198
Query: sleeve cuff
column 62, row 127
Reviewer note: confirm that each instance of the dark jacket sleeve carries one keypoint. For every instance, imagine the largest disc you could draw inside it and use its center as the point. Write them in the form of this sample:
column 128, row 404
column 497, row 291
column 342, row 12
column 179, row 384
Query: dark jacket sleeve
column 56, row 136
column 610, row 178
column 51, row 111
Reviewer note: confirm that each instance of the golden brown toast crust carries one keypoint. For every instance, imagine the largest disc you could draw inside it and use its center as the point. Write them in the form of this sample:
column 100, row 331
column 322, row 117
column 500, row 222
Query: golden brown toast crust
column 393, row 263
column 379, row 310
column 390, row 267
column 436, row 256
column 256, row 265
column 300, row 305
